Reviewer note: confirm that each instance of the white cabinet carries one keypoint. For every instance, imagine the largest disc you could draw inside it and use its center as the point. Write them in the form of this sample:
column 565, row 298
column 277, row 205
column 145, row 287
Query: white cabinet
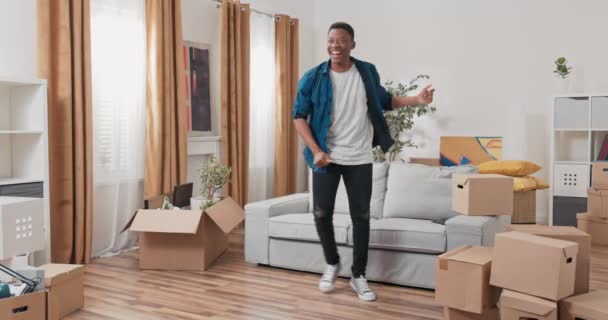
column 24, row 144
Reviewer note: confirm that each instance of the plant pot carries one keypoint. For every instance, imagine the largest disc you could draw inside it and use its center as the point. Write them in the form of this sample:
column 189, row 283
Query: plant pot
column 563, row 86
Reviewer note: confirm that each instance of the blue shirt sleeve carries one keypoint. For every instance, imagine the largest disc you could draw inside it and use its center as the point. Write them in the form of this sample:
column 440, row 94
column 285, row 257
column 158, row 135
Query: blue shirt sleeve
column 386, row 99
column 303, row 101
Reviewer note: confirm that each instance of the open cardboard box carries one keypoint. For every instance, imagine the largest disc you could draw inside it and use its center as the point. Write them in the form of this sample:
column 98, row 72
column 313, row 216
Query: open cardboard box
column 184, row 239
column 463, row 279
column 26, row 307
column 65, row 289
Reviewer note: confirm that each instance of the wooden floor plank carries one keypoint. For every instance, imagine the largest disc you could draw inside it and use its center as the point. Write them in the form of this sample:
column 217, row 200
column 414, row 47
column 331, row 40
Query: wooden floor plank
column 115, row 289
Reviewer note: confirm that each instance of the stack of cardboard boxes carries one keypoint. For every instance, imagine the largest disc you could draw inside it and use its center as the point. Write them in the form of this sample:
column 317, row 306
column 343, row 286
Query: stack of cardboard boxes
column 533, row 272
column 63, row 295
column 595, row 221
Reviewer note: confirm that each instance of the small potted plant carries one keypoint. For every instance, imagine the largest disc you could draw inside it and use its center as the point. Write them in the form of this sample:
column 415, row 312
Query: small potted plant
column 213, row 177
column 562, row 71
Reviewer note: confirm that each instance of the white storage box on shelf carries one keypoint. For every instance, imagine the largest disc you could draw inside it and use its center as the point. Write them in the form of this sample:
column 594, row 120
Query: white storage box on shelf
column 570, row 180
column 21, row 226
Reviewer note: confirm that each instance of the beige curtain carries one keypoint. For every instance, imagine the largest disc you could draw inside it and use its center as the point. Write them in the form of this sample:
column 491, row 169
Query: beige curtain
column 286, row 140
column 235, row 96
column 64, row 59
column 166, row 117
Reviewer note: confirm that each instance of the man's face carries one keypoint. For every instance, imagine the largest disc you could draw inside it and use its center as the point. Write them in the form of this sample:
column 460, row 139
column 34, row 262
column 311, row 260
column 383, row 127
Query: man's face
column 339, row 46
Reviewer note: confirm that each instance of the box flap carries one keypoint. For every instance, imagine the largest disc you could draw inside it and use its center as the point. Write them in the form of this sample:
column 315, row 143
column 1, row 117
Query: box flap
column 592, row 304
column 167, row 221
column 129, row 223
column 475, row 255
column 57, row 273
column 523, row 302
column 227, row 214
column 588, row 217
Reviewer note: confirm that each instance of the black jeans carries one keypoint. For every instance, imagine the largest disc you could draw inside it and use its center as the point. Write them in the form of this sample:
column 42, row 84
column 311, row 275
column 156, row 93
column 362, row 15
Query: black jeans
column 358, row 183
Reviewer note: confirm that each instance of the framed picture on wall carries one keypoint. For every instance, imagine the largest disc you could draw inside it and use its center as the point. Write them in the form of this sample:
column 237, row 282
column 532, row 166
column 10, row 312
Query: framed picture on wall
column 198, row 86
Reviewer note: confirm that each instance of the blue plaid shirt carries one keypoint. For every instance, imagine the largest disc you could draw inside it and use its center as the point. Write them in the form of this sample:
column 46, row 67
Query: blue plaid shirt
column 314, row 103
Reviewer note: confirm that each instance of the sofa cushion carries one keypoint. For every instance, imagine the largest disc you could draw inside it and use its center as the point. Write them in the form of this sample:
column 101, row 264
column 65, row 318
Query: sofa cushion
column 405, row 235
column 420, row 192
column 380, row 172
column 301, row 226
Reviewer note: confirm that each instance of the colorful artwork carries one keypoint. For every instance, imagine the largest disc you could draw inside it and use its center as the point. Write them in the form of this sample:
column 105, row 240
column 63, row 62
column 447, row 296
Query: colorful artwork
column 456, row 151
column 198, row 91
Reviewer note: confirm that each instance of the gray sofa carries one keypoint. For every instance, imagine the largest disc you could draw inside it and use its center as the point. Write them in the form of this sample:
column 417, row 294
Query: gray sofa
column 411, row 224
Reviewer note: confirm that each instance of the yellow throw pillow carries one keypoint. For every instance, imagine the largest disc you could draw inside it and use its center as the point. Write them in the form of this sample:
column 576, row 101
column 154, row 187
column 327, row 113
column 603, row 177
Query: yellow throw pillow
column 523, row 184
column 540, row 184
column 512, row 168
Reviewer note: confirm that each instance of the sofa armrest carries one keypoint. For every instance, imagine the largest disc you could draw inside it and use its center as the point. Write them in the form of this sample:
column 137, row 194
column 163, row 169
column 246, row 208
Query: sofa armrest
column 257, row 215
column 473, row 230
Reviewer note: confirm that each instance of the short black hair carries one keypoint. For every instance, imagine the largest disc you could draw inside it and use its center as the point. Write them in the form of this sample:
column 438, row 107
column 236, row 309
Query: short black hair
column 344, row 26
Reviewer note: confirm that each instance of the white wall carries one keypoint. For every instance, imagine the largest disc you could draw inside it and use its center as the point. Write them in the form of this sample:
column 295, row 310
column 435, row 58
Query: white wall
column 490, row 61
column 18, row 42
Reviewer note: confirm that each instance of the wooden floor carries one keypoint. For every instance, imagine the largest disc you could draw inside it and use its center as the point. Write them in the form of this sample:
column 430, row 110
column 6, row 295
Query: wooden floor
column 233, row 289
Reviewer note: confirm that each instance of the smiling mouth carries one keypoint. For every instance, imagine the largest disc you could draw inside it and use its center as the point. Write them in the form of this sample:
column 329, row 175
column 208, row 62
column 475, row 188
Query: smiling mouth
column 335, row 53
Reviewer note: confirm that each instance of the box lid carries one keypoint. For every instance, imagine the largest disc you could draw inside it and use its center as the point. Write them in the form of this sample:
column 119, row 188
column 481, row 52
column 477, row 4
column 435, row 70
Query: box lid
column 474, row 255
column 588, row 217
column 592, row 304
column 166, row 221
column 227, row 214
column 57, row 273
column 596, row 192
column 461, row 178
column 569, row 248
column 526, row 303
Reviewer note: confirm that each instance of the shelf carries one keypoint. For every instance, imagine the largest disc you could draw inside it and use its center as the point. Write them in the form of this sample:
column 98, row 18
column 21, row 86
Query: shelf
column 8, row 181
column 570, row 129
column 21, row 131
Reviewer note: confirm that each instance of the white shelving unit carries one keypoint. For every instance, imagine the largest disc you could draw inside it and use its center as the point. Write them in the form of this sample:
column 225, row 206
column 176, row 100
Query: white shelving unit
column 580, row 124
column 24, row 143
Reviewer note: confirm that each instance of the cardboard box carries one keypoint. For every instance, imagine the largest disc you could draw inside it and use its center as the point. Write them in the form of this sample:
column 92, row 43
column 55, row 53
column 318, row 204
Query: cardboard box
column 27, row 307
column 534, row 265
column 455, row 314
column 518, row 306
column 583, row 263
column 65, row 289
column 590, row 306
column 482, row 194
column 463, row 279
column 184, row 239
column 596, row 227
column 597, row 202
column 599, row 175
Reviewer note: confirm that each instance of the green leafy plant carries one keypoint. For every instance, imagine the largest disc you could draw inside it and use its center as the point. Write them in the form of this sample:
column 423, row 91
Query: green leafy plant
column 561, row 68
column 401, row 120
column 213, row 177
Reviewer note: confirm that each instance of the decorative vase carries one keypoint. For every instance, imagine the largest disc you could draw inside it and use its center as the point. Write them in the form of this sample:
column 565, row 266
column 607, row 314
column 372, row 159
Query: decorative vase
column 563, row 85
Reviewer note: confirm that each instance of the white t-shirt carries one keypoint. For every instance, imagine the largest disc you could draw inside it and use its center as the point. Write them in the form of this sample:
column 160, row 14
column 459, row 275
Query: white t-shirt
column 350, row 135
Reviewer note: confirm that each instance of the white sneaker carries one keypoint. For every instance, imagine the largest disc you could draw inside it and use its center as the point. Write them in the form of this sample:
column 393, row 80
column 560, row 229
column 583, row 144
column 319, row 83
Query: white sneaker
column 362, row 289
column 328, row 280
